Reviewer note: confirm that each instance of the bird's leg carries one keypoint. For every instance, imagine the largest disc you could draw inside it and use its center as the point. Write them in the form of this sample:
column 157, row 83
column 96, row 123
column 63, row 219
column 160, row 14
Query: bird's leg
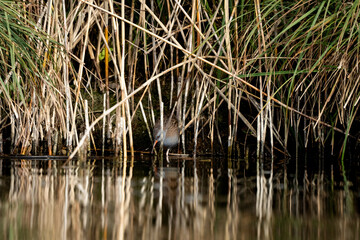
column 152, row 150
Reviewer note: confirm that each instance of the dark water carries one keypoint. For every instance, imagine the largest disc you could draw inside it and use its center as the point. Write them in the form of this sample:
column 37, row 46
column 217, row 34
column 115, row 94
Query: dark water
column 186, row 199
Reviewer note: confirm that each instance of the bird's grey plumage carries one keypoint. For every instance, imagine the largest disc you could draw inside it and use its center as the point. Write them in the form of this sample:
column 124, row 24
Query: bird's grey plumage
column 170, row 133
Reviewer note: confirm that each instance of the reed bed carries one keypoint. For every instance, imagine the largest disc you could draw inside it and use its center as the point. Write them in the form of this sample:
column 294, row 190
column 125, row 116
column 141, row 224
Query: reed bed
column 281, row 72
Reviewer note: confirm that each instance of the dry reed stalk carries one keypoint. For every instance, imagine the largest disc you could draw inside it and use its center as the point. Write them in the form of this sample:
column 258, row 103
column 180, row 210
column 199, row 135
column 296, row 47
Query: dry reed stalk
column 118, row 132
column 132, row 57
column 156, row 59
column 124, row 92
column 230, row 69
column 162, row 129
column 262, row 120
column 106, row 34
column 86, row 112
column 104, row 125
column 192, row 77
column 187, row 83
column 198, row 110
column 179, row 115
column 172, row 76
column 221, row 93
column 145, row 121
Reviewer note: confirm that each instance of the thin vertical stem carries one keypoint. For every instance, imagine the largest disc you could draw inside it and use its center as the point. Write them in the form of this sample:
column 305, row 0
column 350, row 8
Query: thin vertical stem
column 104, row 125
column 87, row 123
column 230, row 69
column 162, row 136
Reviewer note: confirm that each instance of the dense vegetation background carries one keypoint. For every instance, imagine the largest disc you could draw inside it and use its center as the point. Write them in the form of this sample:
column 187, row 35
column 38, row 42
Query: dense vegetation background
column 96, row 73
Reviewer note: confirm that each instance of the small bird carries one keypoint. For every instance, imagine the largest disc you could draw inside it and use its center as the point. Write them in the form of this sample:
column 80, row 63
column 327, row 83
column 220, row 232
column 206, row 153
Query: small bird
column 170, row 134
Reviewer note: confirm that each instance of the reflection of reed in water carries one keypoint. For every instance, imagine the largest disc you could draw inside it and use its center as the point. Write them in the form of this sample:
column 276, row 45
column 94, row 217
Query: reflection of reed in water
column 50, row 205
column 177, row 209
column 193, row 200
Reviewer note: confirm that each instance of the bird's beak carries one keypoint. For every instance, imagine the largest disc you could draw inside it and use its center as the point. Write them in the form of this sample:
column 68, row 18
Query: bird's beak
column 156, row 141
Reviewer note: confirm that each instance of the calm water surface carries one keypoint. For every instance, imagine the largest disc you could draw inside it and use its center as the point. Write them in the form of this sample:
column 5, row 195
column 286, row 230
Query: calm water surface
column 143, row 198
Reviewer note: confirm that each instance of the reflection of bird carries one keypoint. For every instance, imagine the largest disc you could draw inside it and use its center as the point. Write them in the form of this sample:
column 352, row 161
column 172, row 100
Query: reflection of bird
column 170, row 133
